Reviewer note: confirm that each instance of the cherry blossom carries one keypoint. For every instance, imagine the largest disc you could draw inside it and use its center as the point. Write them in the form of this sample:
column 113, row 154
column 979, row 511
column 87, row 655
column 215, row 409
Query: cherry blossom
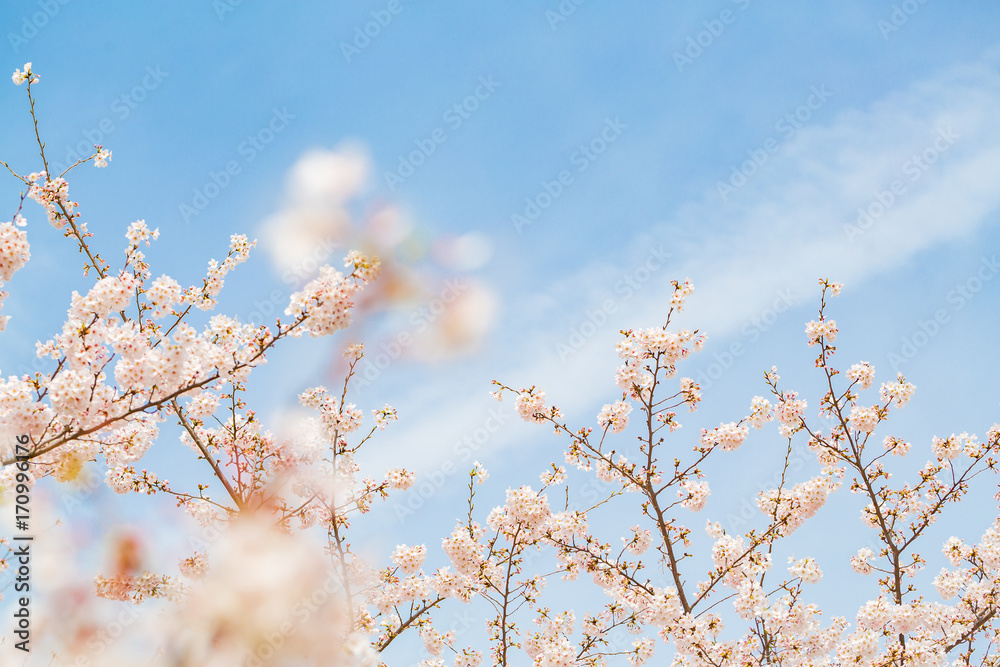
column 133, row 362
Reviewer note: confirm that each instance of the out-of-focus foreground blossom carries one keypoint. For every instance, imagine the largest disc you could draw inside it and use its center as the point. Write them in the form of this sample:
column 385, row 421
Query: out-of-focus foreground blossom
column 426, row 281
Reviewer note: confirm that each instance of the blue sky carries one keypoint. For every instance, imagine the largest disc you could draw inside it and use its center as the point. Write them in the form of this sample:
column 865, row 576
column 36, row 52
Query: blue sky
column 873, row 84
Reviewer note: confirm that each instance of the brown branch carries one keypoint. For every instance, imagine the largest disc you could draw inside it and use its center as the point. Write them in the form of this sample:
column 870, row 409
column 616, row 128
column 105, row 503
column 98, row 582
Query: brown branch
column 208, row 457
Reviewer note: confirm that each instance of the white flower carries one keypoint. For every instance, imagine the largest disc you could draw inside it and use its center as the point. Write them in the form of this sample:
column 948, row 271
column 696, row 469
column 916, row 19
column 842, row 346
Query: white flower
column 479, row 472
column 615, row 416
column 20, row 77
column 806, row 568
column 102, row 157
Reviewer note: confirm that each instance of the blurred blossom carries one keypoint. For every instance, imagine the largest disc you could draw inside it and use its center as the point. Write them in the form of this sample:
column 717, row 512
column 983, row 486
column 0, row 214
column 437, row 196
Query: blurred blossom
column 463, row 253
column 299, row 240
column 266, row 594
column 266, row 598
column 315, row 218
column 325, row 210
column 461, row 327
column 330, row 177
column 389, row 227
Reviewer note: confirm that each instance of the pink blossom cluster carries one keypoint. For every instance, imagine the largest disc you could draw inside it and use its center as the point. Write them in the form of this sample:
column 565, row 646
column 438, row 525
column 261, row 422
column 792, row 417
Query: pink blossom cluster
column 822, row 330
column 729, row 436
column 53, row 195
column 14, row 254
column 409, row 559
column 863, row 373
column 615, row 416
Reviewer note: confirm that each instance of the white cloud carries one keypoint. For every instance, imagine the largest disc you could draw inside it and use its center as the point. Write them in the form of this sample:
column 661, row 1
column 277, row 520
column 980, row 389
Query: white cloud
column 799, row 219
column 795, row 220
